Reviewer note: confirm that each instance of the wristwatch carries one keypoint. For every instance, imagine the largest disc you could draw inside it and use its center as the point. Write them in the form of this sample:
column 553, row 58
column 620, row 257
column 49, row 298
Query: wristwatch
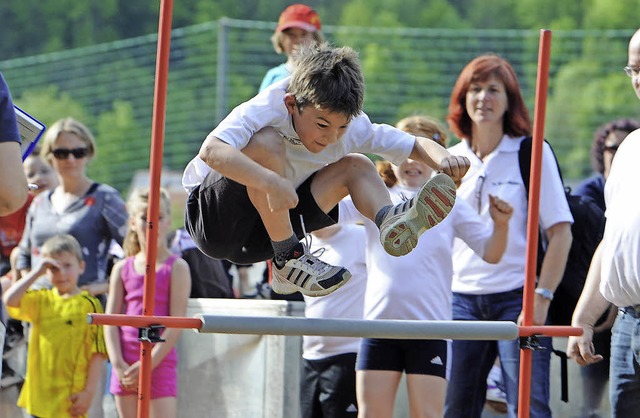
column 545, row 293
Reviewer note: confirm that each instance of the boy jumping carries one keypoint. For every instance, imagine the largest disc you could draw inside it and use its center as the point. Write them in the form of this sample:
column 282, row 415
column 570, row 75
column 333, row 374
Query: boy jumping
column 279, row 164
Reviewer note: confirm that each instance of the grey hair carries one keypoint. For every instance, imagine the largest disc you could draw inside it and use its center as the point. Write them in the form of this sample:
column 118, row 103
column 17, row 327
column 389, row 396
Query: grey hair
column 328, row 78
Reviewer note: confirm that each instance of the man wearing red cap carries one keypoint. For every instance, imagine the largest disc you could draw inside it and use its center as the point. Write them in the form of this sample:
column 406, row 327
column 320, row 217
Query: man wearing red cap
column 297, row 23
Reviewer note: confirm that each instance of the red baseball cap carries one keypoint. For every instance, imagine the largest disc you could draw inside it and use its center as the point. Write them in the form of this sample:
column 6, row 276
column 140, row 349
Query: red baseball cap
column 299, row 16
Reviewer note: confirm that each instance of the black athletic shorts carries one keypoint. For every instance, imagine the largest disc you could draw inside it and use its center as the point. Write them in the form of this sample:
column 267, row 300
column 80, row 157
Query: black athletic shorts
column 328, row 387
column 427, row 357
column 224, row 223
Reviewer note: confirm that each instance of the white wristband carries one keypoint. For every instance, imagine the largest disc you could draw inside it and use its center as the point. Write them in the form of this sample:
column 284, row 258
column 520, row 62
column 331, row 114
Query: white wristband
column 545, row 293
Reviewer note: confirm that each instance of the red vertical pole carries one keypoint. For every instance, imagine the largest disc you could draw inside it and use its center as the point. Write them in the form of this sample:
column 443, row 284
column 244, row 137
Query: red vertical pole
column 542, row 83
column 155, row 171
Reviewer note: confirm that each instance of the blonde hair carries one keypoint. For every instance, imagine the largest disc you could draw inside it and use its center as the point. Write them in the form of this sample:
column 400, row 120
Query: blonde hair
column 423, row 126
column 68, row 125
column 62, row 243
column 418, row 125
column 139, row 202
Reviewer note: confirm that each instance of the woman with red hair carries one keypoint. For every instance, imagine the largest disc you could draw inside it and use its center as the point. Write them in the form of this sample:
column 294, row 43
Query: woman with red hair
column 488, row 114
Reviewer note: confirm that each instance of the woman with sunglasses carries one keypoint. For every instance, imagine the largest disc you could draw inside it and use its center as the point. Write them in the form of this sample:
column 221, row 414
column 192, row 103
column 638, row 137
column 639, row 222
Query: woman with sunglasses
column 93, row 213
column 487, row 112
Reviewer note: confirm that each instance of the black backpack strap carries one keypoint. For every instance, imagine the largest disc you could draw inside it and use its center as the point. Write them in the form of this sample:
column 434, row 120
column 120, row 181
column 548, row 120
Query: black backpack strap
column 564, row 375
column 524, row 158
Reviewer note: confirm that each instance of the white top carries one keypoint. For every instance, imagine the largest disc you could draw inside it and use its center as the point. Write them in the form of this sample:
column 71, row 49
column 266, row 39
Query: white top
column 268, row 109
column 417, row 285
column 499, row 175
column 345, row 248
column 620, row 282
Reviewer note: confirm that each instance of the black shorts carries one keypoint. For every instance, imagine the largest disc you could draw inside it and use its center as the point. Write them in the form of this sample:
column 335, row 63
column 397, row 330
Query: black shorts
column 427, row 357
column 224, row 223
column 328, row 387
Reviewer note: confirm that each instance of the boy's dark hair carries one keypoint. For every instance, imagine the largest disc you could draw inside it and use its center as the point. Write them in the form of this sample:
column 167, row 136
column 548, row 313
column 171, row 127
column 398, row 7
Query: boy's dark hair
column 328, row 78
column 62, row 243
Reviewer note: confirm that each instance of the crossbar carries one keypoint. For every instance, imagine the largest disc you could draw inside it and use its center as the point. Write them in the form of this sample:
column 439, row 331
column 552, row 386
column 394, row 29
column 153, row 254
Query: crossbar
column 379, row 328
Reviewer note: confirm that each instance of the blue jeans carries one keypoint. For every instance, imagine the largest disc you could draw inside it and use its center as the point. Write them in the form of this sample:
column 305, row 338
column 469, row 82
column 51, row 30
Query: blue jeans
column 472, row 360
column 624, row 383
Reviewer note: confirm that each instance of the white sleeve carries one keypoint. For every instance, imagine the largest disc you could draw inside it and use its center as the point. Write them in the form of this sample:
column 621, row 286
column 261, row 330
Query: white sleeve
column 384, row 140
column 470, row 227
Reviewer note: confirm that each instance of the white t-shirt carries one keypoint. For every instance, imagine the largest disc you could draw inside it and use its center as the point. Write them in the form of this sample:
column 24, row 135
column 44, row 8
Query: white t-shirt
column 267, row 109
column 346, row 248
column 416, row 286
column 620, row 281
column 499, row 175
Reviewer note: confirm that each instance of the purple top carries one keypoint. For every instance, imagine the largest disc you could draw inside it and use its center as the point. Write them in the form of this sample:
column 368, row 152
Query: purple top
column 164, row 375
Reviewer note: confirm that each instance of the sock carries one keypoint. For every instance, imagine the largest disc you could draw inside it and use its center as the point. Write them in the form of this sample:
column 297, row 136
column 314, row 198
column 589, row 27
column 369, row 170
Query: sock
column 284, row 250
column 381, row 214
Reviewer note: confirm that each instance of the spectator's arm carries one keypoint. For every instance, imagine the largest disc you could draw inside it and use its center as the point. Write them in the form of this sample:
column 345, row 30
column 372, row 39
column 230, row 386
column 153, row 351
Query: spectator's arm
column 13, row 184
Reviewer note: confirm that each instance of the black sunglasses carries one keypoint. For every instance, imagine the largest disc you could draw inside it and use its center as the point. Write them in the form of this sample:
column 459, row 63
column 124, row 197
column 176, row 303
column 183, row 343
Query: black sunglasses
column 63, row 153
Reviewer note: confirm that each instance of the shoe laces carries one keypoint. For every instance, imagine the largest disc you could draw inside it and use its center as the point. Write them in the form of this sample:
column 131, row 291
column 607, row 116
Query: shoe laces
column 311, row 259
column 403, row 206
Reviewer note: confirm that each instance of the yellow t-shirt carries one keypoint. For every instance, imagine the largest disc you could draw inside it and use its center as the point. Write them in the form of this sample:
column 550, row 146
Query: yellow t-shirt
column 61, row 344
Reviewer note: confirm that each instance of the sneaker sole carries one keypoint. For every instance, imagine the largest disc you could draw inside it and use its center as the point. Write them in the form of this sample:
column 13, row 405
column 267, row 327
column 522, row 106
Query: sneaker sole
column 433, row 203
column 284, row 287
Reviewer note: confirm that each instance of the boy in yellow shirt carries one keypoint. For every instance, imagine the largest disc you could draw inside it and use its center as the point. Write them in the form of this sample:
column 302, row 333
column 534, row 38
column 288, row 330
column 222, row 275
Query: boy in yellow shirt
column 65, row 354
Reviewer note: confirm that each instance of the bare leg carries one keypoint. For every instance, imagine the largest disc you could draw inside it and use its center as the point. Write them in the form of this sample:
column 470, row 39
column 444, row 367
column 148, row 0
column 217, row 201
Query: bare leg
column 401, row 227
column 164, row 408
column 127, row 406
column 426, row 395
column 302, row 272
column 267, row 149
column 376, row 392
column 353, row 175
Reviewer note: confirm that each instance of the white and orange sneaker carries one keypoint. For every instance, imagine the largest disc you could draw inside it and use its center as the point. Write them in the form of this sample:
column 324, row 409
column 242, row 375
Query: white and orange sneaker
column 406, row 221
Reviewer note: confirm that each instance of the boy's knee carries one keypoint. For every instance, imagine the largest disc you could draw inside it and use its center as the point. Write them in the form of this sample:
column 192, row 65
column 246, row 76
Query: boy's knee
column 358, row 164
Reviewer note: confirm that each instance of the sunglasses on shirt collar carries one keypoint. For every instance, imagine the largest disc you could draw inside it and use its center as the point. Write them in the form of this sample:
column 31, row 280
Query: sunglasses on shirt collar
column 63, row 153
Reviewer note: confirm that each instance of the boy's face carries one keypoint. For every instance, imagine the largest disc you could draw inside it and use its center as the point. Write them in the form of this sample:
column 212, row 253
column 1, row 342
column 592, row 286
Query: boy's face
column 317, row 128
column 39, row 172
column 64, row 276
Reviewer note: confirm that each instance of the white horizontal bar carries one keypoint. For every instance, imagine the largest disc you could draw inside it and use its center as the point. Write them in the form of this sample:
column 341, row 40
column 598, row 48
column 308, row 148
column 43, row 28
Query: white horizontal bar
column 403, row 329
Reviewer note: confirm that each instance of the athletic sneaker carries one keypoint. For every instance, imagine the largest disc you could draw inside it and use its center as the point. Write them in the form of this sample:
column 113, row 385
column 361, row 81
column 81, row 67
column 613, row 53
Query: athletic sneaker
column 308, row 275
column 406, row 221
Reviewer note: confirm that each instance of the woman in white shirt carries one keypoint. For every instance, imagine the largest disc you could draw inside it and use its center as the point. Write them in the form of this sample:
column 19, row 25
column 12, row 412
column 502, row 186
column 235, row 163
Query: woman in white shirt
column 415, row 287
column 488, row 113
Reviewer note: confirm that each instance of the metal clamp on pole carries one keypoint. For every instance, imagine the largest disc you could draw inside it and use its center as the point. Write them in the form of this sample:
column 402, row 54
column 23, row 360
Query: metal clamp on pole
column 151, row 334
column 531, row 343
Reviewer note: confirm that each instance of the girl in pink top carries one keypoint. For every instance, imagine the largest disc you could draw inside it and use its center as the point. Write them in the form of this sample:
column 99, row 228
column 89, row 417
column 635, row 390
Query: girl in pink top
column 173, row 285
